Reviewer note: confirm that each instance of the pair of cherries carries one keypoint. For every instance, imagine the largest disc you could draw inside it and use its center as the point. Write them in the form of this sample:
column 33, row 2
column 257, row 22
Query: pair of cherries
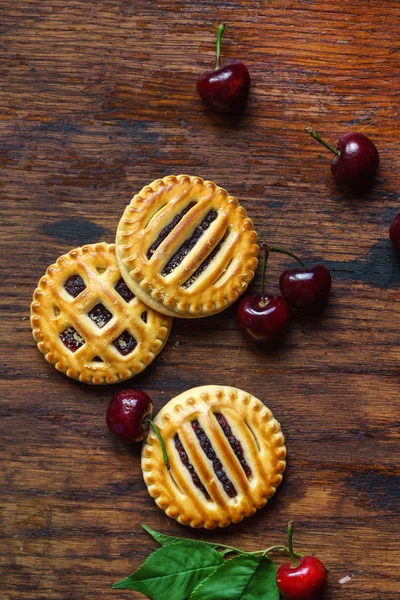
column 128, row 416
column 265, row 318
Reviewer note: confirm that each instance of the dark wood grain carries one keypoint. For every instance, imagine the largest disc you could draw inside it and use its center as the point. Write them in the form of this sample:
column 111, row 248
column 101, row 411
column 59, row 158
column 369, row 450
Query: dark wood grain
column 98, row 99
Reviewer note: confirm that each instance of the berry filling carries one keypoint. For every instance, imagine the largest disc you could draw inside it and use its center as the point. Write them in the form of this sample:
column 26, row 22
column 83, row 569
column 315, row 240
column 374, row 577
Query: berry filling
column 100, row 315
column 167, row 230
column 187, row 246
column 125, row 343
column 71, row 339
column 234, row 443
column 124, row 291
column 75, row 285
column 212, row 456
column 185, row 460
column 205, row 263
column 143, row 316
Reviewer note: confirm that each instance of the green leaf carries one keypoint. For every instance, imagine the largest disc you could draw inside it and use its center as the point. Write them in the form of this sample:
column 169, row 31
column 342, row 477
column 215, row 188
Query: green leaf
column 173, row 571
column 161, row 538
column 164, row 540
column 240, row 578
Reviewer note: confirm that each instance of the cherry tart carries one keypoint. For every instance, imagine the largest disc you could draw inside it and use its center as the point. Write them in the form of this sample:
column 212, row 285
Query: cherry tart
column 226, row 454
column 89, row 324
column 185, row 247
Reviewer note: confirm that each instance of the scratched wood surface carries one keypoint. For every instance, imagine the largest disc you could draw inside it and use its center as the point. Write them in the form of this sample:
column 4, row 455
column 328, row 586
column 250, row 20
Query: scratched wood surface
column 97, row 99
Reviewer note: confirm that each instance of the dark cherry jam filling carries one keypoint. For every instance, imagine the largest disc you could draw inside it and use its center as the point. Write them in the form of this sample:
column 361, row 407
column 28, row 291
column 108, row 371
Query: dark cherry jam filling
column 190, row 243
column 75, row 285
column 205, row 263
column 125, row 343
column 100, row 315
column 124, row 291
column 167, row 230
column 143, row 316
column 212, row 456
column 185, row 460
column 234, row 443
column 71, row 339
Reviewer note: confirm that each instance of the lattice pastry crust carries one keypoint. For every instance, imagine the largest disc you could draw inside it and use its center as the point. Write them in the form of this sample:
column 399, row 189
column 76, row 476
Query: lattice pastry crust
column 87, row 322
column 226, row 453
column 185, row 247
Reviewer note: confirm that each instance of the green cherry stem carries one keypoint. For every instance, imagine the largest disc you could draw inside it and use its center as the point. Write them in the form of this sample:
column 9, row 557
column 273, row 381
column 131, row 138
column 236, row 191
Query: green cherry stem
column 159, row 436
column 281, row 251
column 269, row 249
column 269, row 550
column 220, row 32
column 255, row 552
column 292, row 554
column 264, row 268
column 319, row 139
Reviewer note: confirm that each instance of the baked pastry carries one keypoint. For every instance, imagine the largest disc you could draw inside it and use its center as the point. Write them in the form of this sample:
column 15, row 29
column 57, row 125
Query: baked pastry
column 226, row 453
column 89, row 324
column 185, row 247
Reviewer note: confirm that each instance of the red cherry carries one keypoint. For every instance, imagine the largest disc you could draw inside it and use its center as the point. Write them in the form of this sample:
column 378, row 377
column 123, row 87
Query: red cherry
column 303, row 578
column 226, row 88
column 356, row 159
column 394, row 233
column 306, row 581
column 263, row 318
column 306, row 288
column 126, row 413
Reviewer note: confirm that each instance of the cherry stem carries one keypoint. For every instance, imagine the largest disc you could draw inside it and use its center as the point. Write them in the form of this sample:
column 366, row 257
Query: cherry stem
column 264, row 268
column 220, row 32
column 292, row 554
column 319, row 139
column 159, row 436
column 281, row 251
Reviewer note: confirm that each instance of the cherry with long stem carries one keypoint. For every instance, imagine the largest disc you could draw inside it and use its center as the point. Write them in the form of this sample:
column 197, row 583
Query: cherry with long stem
column 264, row 318
column 304, row 577
column 128, row 416
column 226, row 87
column 356, row 158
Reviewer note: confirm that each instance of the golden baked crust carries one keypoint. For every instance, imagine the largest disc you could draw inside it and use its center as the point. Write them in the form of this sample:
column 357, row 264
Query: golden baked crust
column 254, row 476
column 57, row 315
column 186, row 247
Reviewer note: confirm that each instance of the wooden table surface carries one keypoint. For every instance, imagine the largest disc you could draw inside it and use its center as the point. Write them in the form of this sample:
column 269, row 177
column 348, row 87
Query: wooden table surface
column 98, row 99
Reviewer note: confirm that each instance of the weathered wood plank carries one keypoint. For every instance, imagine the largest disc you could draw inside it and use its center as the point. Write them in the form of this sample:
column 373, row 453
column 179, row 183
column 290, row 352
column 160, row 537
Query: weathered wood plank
column 99, row 99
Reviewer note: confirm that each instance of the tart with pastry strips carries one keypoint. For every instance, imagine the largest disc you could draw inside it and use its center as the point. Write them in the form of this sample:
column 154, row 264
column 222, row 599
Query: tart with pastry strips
column 186, row 247
column 89, row 324
column 226, row 454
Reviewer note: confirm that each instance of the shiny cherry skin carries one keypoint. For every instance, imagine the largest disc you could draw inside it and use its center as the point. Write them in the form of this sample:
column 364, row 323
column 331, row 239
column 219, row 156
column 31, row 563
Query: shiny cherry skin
column 304, row 582
column 357, row 162
column 306, row 288
column 225, row 89
column 263, row 321
column 394, row 233
column 125, row 415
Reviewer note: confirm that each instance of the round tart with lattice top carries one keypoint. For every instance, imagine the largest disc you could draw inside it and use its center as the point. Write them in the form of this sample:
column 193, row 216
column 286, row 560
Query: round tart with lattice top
column 226, row 454
column 89, row 324
column 185, row 247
